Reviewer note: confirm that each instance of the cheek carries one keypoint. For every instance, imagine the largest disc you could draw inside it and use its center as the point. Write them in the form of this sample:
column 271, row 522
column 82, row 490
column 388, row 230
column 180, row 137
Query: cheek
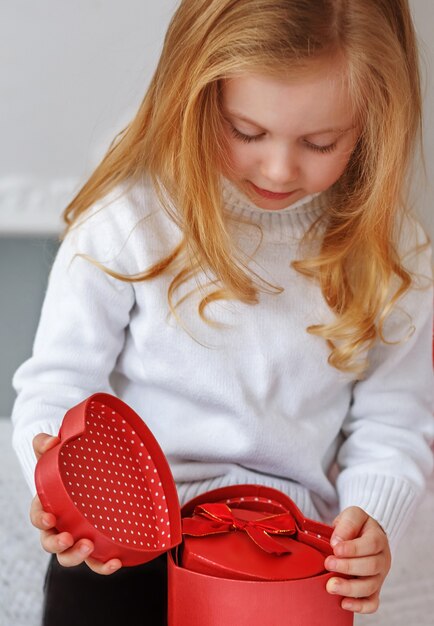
column 239, row 156
column 328, row 173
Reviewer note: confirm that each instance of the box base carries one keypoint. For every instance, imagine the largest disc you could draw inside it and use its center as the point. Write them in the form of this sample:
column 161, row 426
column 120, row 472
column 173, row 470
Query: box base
column 202, row 600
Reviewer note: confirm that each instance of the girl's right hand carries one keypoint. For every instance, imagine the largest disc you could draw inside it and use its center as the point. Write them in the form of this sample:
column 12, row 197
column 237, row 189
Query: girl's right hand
column 62, row 544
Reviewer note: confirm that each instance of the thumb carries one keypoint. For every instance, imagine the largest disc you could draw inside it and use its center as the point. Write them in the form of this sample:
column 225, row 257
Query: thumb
column 348, row 524
column 43, row 442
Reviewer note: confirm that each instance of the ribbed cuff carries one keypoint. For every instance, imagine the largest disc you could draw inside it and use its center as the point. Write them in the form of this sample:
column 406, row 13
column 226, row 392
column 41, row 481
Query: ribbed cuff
column 22, row 443
column 390, row 501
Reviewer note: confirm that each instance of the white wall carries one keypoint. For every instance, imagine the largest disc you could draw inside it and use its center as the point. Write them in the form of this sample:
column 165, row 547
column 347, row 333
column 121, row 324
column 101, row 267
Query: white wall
column 423, row 12
column 73, row 74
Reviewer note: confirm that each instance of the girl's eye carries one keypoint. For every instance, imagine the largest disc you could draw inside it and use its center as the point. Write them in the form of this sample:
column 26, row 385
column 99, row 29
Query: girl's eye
column 242, row 137
column 322, row 149
column 311, row 146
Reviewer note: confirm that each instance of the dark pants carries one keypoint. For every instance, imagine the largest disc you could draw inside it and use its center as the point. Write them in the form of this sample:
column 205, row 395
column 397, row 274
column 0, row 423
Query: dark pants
column 132, row 596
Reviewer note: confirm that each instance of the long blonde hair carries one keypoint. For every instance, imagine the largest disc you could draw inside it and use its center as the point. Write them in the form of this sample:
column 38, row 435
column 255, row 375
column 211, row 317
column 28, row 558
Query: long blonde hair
column 177, row 135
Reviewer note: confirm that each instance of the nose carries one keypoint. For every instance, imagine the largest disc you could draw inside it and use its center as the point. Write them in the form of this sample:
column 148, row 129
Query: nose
column 280, row 167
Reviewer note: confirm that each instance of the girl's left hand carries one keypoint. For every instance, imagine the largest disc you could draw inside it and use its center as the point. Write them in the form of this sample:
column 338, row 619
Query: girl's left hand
column 361, row 549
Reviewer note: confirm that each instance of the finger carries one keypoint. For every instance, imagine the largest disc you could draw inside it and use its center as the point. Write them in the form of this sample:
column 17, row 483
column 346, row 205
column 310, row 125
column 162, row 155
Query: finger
column 348, row 525
column 365, row 605
column 55, row 542
column 355, row 587
column 40, row 518
column 364, row 566
column 43, row 442
column 369, row 544
column 76, row 553
column 104, row 568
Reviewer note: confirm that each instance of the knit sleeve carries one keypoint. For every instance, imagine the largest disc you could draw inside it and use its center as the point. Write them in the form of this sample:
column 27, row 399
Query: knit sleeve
column 80, row 334
column 386, row 456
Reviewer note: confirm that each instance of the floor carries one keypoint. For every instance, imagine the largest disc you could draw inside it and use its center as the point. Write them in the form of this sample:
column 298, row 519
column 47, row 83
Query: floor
column 407, row 596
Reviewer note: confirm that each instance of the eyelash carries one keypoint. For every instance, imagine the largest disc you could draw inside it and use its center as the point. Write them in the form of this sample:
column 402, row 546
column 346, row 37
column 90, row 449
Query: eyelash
column 248, row 139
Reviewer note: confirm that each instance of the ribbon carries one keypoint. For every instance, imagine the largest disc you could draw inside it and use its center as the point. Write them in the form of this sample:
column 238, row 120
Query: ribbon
column 216, row 517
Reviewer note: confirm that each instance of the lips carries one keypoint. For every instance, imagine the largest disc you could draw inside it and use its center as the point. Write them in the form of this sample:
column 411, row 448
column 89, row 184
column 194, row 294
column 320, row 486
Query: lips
column 271, row 194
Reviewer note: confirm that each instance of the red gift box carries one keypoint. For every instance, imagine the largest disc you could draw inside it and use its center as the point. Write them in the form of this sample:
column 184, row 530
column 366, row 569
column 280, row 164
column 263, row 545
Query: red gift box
column 220, row 601
column 108, row 480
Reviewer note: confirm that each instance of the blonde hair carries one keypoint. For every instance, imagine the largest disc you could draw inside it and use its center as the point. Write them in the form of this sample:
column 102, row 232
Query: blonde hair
column 177, row 135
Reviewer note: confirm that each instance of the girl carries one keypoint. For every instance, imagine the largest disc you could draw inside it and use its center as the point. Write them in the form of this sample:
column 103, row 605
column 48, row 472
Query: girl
column 242, row 268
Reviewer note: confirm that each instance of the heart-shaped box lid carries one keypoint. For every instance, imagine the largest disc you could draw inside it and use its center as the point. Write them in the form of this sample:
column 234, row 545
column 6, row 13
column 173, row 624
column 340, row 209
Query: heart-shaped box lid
column 108, row 480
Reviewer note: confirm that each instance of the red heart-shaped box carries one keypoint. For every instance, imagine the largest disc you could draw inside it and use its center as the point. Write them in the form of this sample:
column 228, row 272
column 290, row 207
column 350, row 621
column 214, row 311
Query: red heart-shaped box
column 201, row 599
column 109, row 481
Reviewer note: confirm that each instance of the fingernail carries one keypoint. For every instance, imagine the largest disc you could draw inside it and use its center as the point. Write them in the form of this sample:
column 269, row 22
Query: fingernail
column 46, row 522
column 333, row 585
column 335, row 540
column 84, row 549
column 349, row 606
column 113, row 567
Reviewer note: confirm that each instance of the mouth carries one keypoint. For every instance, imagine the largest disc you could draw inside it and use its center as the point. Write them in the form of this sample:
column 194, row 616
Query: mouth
column 271, row 195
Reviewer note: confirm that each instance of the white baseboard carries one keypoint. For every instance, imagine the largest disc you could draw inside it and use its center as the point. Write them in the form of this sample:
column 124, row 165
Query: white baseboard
column 33, row 207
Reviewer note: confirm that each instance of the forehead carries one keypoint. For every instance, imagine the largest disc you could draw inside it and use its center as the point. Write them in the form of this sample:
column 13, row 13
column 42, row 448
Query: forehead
column 298, row 105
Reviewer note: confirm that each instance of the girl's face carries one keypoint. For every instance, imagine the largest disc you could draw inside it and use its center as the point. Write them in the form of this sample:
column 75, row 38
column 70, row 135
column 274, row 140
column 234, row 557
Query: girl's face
column 292, row 138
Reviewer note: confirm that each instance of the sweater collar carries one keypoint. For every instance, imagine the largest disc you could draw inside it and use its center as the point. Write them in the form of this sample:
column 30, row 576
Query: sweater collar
column 279, row 225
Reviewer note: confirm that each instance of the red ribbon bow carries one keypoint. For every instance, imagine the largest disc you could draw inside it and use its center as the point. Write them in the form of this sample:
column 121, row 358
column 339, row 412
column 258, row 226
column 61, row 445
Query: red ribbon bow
column 210, row 519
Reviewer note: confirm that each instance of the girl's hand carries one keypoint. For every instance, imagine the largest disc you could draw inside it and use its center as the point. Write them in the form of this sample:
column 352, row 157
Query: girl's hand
column 62, row 544
column 361, row 549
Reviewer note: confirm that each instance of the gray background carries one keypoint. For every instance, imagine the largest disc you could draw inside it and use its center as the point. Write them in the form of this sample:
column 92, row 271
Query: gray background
column 72, row 76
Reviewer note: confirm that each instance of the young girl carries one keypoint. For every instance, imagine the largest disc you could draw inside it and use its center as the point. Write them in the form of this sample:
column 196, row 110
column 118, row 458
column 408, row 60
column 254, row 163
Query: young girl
column 242, row 268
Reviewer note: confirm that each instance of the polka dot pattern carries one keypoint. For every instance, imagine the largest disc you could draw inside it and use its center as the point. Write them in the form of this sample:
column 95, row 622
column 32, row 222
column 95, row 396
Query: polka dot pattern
column 270, row 506
column 114, row 483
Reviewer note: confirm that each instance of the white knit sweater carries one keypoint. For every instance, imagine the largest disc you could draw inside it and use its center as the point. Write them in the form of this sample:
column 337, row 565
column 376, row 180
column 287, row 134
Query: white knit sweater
column 253, row 402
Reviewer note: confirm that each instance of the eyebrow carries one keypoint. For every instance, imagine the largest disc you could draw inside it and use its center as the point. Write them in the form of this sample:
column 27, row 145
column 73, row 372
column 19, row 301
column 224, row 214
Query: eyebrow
column 243, row 118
